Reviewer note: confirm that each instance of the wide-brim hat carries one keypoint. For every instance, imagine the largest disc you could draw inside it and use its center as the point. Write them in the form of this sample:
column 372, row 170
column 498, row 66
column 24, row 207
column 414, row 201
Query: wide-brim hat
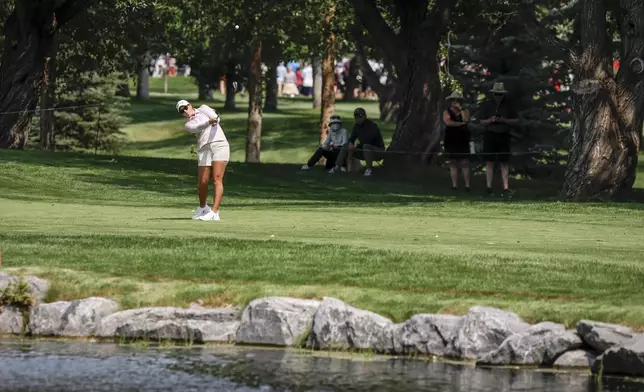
column 498, row 88
column 181, row 104
column 455, row 96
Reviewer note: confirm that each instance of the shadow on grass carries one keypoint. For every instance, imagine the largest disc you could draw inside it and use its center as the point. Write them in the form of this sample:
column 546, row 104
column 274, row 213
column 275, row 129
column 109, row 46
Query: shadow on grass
column 282, row 185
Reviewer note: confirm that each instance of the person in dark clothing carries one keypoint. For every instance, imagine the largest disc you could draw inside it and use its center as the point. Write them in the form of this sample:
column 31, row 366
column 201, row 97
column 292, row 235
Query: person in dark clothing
column 499, row 117
column 371, row 147
column 457, row 139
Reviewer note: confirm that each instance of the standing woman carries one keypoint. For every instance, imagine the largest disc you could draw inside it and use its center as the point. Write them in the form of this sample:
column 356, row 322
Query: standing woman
column 213, row 152
column 457, row 138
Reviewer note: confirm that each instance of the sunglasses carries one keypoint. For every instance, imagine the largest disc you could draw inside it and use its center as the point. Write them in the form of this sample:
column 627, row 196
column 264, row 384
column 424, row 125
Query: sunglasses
column 498, row 94
column 183, row 109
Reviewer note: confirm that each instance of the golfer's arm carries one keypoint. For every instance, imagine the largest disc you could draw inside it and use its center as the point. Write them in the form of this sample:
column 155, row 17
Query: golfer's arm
column 194, row 126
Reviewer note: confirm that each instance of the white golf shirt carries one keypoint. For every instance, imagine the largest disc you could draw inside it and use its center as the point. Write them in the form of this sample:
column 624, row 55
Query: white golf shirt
column 199, row 125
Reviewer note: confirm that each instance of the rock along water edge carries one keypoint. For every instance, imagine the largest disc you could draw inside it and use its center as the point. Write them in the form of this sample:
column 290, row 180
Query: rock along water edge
column 485, row 335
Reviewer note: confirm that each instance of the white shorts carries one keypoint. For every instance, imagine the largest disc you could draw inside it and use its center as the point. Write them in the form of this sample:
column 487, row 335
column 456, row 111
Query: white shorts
column 214, row 152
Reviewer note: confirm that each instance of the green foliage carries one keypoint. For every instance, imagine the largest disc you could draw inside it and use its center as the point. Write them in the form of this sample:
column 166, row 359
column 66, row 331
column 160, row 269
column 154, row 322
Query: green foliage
column 16, row 294
column 490, row 44
column 97, row 123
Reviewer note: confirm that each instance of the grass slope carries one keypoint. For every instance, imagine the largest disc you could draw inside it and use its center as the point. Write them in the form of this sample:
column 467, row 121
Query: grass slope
column 120, row 227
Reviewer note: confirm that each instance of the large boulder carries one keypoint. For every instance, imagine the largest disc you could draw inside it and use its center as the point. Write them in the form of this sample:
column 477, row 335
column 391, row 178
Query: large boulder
column 576, row 359
column 427, row 334
column 277, row 321
column 166, row 323
column 540, row 344
column 602, row 336
column 337, row 325
column 11, row 320
column 78, row 318
column 483, row 330
column 626, row 359
column 38, row 287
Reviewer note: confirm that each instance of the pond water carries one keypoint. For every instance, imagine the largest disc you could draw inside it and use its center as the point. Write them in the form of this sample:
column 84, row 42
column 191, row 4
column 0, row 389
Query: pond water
column 81, row 366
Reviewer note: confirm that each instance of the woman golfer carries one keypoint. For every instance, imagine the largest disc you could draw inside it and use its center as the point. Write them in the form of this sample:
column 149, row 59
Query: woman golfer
column 213, row 151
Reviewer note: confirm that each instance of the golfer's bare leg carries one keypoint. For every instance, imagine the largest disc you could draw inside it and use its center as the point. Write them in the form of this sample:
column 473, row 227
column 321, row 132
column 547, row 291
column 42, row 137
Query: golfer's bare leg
column 203, row 177
column 218, row 171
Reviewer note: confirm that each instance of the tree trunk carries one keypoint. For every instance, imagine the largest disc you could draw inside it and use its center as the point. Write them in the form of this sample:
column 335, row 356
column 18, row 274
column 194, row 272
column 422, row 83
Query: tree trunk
column 412, row 46
column 352, row 79
column 605, row 140
column 230, row 88
column 317, row 83
column 48, row 101
column 271, row 88
column 418, row 130
column 166, row 73
column 143, row 83
column 253, row 145
column 29, row 33
column 27, row 43
column 389, row 98
column 123, row 90
column 328, row 74
column 603, row 157
column 203, row 90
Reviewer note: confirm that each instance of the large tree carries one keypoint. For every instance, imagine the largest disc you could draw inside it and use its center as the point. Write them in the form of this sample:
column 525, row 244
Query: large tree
column 608, row 108
column 410, row 42
column 28, row 37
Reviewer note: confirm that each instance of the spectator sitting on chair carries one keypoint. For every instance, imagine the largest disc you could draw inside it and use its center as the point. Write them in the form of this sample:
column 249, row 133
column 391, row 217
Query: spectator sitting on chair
column 371, row 147
column 330, row 149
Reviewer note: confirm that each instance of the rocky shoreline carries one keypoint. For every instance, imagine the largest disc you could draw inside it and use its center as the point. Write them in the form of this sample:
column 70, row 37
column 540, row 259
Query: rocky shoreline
column 484, row 335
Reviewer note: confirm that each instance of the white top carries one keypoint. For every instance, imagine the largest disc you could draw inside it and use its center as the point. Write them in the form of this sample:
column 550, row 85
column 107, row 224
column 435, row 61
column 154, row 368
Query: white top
column 307, row 76
column 199, row 125
column 281, row 72
column 337, row 138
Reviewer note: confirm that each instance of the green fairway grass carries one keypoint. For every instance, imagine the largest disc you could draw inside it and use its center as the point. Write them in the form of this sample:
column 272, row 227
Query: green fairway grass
column 120, row 226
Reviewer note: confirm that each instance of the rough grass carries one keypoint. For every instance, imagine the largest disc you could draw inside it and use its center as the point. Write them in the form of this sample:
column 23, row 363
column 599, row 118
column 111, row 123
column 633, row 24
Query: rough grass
column 120, row 227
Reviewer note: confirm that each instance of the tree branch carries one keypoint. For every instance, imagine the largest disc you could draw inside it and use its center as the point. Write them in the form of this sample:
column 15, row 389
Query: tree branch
column 539, row 32
column 68, row 9
column 440, row 16
column 632, row 37
column 374, row 23
column 411, row 13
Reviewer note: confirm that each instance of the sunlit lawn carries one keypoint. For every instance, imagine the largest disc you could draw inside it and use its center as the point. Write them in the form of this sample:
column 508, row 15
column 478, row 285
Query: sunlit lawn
column 120, row 226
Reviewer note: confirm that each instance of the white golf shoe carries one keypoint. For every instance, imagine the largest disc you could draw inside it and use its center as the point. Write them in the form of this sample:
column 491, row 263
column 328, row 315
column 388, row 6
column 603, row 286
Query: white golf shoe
column 201, row 212
column 210, row 216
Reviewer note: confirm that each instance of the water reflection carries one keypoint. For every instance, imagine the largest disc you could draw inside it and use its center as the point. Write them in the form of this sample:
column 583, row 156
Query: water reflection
column 78, row 366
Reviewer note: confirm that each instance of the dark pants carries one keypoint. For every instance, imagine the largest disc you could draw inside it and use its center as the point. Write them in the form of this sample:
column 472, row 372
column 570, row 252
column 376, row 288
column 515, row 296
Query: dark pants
column 330, row 155
column 366, row 152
